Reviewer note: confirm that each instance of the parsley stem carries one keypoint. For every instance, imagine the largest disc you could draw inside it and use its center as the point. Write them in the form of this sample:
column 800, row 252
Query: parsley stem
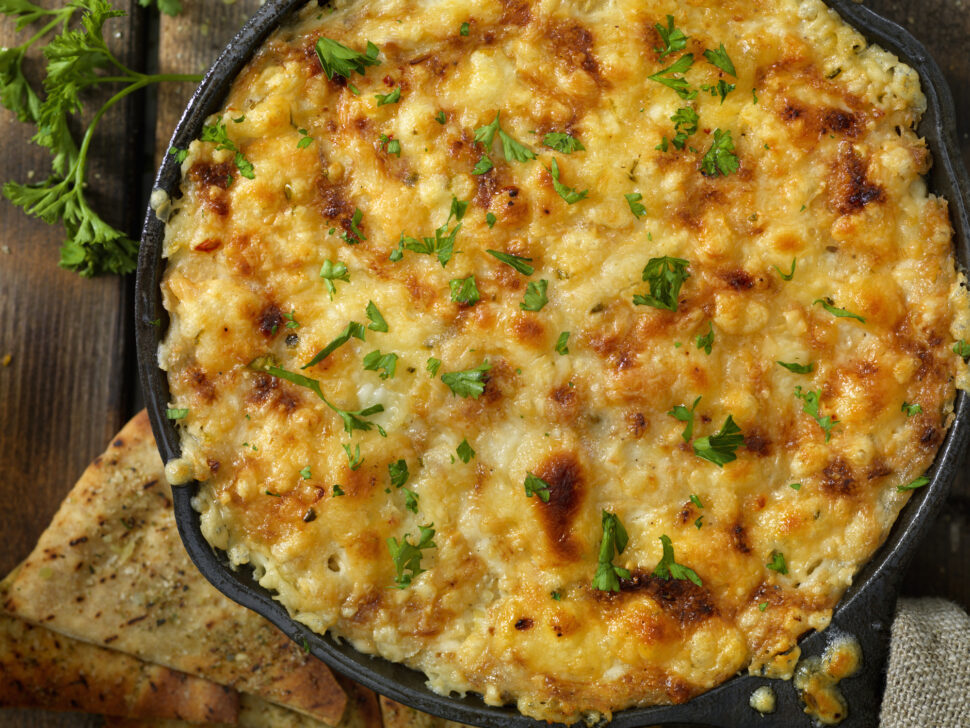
column 49, row 27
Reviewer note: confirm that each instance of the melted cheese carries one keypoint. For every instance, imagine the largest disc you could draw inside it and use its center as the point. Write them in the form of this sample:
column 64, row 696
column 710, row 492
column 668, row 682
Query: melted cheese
column 829, row 173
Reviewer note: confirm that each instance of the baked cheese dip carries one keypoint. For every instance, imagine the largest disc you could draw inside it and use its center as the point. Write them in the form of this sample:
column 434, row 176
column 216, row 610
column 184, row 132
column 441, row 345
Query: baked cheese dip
column 574, row 352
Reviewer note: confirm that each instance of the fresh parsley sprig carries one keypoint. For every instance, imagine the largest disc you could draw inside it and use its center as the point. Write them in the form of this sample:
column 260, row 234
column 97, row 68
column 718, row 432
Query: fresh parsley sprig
column 407, row 556
column 672, row 38
column 720, row 448
column 78, row 60
column 672, row 77
column 665, row 275
column 615, row 539
column 721, row 158
column 339, row 60
column 667, row 567
column 468, row 383
column 810, row 406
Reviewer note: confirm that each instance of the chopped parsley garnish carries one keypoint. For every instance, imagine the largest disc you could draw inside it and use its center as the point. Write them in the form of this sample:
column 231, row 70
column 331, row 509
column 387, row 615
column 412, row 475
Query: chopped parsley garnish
column 377, row 322
column 911, row 409
column 354, row 459
column 685, row 124
column 469, row 383
column 179, row 154
column 962, row 348
column 667, row 567
column 636, row 207
column 440, row 117
column 443, row 243
column 407, row 556
column 333, row 271
column 569, row 194
column 464, row 290
column 433, row 366
column 490, row 219
column 535, row 296
column 410, row 500
column 275, row 495
column 483, row 165
column 699, row 522
column 797, row 368
column 615, row 539
column 720, row 158
column 177, row 413
column 683, row 414
column 556, row 596
column 337, row 491
column 398, row 472
column 665, row 275
column 918, row 483
column 721, row 88
column 721, row 59
column 562, row 142
column 829, row 306
column 352, row 330
column 391, row 146
column 673, row 39
column 536, row 486
column 217, row 134
column 339, row 60
column 516, row 261
column 465, row 451
column 795, row 486
column 291, row 322
column 354, row 235
column 561, row 342
column 777, row 562
column 352, row 419
column 464, row 29
column 305, row 140
column 668, row 77
column 305, row 473
column 706, row 341
column 791, row 274
column 513, row 150
column 391, row 98
column 696, row 500
column 376, row 361
column 720, row 448
column 811, row 405
column 763, row 606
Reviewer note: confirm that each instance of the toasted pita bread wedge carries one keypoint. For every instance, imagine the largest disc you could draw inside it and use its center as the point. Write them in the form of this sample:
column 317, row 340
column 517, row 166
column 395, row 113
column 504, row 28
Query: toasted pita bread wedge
column 42, row 669
column 111, row 570
column 396, row 715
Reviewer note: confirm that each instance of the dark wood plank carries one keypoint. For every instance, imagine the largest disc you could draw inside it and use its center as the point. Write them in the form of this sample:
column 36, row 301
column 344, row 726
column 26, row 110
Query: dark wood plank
column 61, row 395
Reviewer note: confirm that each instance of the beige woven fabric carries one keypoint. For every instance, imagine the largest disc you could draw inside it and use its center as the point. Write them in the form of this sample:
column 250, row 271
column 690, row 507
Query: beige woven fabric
column 928, row 682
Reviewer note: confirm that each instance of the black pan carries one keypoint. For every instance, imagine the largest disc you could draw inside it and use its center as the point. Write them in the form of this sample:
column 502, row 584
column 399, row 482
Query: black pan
column 865, row 611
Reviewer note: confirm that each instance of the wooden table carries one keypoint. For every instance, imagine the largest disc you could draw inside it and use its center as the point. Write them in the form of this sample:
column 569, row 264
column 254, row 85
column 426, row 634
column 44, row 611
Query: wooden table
column 71, row 383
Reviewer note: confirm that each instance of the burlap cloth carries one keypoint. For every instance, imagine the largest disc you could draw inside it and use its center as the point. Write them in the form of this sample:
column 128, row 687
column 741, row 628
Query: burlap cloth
column 928, row 681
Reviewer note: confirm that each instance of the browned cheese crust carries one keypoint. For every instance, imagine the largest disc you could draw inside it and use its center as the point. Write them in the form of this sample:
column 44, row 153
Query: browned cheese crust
column 822, row 165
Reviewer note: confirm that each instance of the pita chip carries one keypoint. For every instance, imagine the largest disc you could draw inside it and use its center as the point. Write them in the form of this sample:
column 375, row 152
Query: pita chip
column 111, row 570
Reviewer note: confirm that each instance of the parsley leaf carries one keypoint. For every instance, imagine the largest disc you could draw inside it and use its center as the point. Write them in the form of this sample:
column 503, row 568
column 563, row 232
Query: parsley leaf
column 392, row 98
column 720, row 158
column 706, row 341
column 217, row 134
column 339, row 60
column 721, row 59
column 305, row 473
column 354, row 235
column 668, row 77
column 377, row 322
column 469, row 383
column 516, row 261
column 465, row 451
column 837, row 312
column 305, row 139
column 569, row 194
column 665, row 275
column 398, row 472
column 464, row 290
column 673, row 39
column 777, row 562
column 685, row 124
column 535, row 296
column 720, row 448
column 962, row 349
column 337, row 491
column 440, row 117
column 722, row 89
column 811, row 407
column 636, row 207
column 410, row 500
column 536, row 486
column 177, row 413
column 484, row 135
column 490, row 219
column 513, row 150
column 483, row 165
column 464, row 29
column 333, row 271
column 911, row 409
column 561, row 342
column 787, row 276
column 615, row 538
column 562, row 142
column 352, row 419
column 353, row 329
column 918, row 483
column 797, row 368
column 407, row 556
column 179, row 154
column 391, row 146
column 354, row 460
column 376, row 361
column 443, row 243
column 433, row 366
column 667, row 567
column 696, row 500
column 685, row 415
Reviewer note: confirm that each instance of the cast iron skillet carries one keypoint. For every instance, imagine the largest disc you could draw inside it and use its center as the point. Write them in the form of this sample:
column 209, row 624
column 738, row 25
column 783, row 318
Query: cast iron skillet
column 865, row 610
